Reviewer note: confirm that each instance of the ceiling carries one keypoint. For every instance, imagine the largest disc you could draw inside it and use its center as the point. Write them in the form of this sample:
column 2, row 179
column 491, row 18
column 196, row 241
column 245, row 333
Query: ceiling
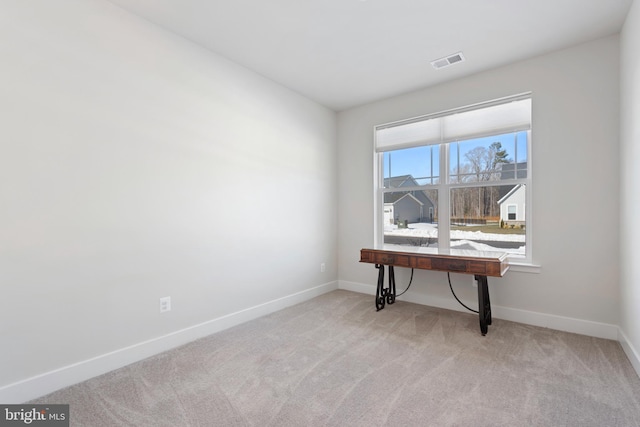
column 343, row 53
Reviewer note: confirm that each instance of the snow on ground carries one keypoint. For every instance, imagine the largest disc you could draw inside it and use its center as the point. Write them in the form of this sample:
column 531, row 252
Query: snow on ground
column 468, row 244
column 463, row 239
column 431, row 230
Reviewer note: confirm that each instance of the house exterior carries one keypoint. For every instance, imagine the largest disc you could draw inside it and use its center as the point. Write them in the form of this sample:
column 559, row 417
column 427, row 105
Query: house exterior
column 511, row 171
column 512, row 207
column 410, row 206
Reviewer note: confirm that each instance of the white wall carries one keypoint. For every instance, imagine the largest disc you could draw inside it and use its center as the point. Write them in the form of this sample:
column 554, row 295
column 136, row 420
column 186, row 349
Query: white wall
column 136, row 165
column 575, row 164
column 629, row 183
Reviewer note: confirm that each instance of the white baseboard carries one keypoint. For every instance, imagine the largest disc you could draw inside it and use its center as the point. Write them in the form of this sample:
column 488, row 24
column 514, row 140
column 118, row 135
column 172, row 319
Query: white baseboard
column 560, row 323
column 632, row 354
column 40, row 385
column 357, row 287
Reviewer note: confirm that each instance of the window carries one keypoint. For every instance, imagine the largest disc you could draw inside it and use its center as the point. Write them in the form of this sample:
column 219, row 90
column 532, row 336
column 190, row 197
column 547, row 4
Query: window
column 457, row 179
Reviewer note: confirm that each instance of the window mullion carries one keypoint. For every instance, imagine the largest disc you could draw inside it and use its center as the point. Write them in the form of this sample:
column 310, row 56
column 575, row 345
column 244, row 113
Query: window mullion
column 497, row 183
column 444, row 205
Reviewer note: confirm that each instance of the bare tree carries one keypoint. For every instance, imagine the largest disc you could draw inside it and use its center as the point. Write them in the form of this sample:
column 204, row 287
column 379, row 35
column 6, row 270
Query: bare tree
column 484, row 164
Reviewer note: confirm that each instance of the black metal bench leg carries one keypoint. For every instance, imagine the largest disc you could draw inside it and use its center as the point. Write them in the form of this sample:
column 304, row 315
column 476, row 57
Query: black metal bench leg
column 385, row 295
column 380, row 289
column 391, row 292
column 484, row 303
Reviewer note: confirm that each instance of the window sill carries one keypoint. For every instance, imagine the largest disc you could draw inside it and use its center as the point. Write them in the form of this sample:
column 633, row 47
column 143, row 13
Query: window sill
column 522, row 267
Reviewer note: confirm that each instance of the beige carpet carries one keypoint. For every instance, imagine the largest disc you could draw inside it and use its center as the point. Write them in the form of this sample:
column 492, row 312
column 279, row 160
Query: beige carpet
column 335, row 361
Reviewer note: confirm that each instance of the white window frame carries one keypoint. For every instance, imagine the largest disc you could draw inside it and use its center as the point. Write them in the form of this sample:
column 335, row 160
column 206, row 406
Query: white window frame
column 444, row 186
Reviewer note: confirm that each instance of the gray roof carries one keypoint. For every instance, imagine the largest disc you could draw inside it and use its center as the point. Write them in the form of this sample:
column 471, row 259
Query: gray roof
column 508, row 170
column 405, row 181
column 506, row 196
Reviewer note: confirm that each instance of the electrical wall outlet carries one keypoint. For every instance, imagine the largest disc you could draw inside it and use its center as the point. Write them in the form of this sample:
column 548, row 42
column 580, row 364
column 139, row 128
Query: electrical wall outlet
column 322, row 267
column 165, row 304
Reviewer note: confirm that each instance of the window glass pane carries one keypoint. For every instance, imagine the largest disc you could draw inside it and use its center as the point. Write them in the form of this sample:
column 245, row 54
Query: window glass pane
column 521, row 147
column 489, row 218
column 411, row 166
column 454, row 162
column 489, row 159
column 411, row 218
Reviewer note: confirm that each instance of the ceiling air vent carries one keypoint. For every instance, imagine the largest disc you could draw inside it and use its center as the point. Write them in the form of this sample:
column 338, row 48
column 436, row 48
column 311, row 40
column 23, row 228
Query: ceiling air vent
column 448, row 60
